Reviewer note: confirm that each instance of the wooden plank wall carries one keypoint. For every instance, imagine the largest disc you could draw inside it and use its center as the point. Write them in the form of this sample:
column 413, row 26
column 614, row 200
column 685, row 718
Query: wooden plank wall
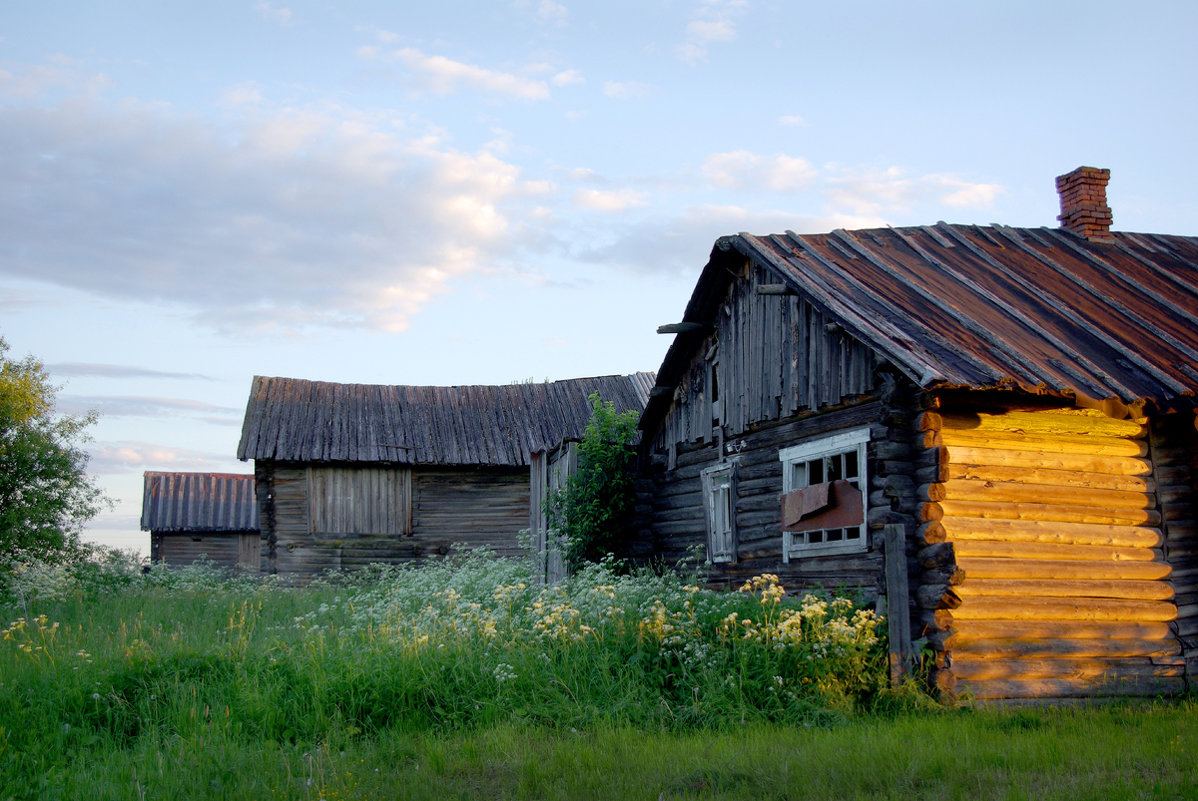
column 228, row 549
column 777, row 356
column 472, row 506
column 360, row 500
column 1046, row 576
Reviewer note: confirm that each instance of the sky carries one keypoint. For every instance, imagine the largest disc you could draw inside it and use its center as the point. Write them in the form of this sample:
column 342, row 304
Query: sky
column 194, row 193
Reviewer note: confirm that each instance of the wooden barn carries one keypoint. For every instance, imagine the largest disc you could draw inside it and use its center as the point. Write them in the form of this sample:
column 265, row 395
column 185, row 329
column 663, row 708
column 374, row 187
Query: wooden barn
column 194, row 515
column 350, row 474
column 991, row 430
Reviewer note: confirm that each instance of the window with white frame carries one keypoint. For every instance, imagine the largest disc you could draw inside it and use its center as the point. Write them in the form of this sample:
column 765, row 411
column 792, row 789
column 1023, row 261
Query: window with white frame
column 834, row 458
column 719, row 498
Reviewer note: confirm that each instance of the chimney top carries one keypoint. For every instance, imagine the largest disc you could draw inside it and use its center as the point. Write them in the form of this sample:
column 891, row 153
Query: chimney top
column 1083, row 203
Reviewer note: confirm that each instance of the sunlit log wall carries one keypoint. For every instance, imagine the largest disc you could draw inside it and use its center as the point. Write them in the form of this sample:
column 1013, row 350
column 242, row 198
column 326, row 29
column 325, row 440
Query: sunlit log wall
column 428, row 511
column 1046, row 570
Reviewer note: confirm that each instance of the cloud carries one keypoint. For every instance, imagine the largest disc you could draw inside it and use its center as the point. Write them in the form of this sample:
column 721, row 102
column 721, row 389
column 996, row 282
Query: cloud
column 243, row 94
column 277, row 15
column 681, row 243
column 138, row 406
column 745, row 171
column 712, row 21
column 567, row 78
column 792, row 120
column 625, row 90
column 124, row 456
column 94, row 370
column 608, row 199
column 445, row 75
column 893, row 191
column 295, row 217
column 551, row 13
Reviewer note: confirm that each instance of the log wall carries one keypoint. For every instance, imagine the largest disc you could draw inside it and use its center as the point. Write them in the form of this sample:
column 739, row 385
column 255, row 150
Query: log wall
column 1044, row 566
column 1174, row 443
column 468, row 506
column 235, row 550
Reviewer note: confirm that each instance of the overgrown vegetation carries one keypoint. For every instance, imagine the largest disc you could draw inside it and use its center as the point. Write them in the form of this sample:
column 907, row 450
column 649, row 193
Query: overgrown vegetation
column 462, row 679
column 591, row 511
column 45, row 493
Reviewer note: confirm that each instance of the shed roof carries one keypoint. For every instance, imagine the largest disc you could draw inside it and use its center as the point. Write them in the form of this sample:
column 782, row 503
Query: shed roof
column 988, row 306
column 185, row 502
column 290, row 419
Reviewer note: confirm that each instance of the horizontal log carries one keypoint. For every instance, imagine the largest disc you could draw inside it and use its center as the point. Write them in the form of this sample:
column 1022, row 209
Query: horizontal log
column 966, row 631
column 1040, row 511
column 1034, row 423
column 992, row 490
column 1084, row 462
column 1032, row 648
column 1068, row 588
column 937, row 556
column 1062, row 569
column 968, row 669
column 953, row 529
column 994, row 689
column 949, row 576
column 954, row 471
column 1037, row 443
column 1039, row 608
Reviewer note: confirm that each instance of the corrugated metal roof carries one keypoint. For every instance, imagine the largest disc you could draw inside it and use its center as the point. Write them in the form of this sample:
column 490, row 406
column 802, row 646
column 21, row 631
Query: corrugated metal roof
column 199, row 502
column 985, row 306
column 289, row 419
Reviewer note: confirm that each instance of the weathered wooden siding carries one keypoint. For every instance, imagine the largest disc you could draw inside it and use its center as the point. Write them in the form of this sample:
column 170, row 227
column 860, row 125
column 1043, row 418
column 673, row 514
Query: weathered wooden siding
column 775, row 355
column 549, row 470
column 1057, row 584
column 471, row 506
column 672, row 511
column 232, row 550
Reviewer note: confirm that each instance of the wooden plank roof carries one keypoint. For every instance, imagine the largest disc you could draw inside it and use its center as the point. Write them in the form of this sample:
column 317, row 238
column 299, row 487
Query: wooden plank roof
column 1042, row 309
column 184, row 502
column 290, row 419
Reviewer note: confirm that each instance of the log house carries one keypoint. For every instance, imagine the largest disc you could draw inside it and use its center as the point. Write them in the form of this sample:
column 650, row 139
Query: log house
column 989, row 431
column 353, row 474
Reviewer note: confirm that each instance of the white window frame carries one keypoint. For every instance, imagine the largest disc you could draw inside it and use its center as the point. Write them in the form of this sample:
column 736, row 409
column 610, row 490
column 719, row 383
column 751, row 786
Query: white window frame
column 796, row 544
column 719, row 509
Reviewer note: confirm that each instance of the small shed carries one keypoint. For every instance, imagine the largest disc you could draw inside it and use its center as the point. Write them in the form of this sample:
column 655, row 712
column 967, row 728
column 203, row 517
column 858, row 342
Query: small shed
column 350, row 474
column 988, row 430
column 194, row 515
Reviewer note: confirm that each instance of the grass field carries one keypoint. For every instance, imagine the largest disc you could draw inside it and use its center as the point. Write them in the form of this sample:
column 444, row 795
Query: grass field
column 462, row 679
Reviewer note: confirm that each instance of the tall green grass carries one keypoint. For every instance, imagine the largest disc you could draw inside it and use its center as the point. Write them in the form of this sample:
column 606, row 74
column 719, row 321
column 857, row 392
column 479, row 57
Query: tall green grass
column 464, row 679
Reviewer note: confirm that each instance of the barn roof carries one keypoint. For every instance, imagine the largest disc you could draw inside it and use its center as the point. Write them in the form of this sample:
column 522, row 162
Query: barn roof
column 987, row 306
column 289, row 419
column 198, row 502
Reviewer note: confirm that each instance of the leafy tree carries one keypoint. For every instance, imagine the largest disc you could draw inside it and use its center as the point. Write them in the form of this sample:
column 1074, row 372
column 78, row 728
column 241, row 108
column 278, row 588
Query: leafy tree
column 45, row 493
column 591, row 511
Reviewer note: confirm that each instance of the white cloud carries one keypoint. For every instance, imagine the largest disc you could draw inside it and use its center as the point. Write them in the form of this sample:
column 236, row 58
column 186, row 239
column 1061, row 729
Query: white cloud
column 445, row 75
column 742, row 170
column 625, row 90
column 893, row 191
column 713, row 21
column 567, row 78
column 297, row 217
column 613, row 200
column 793, row 120
column 276, row 14
column 243, row 94
column 124, row 456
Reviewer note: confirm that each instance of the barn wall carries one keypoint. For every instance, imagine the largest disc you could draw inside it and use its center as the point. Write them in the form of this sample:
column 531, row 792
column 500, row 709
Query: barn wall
column 475, row 506
column 774, row 356
column 1174, row 443
column 1045, row 564
column 228, row 549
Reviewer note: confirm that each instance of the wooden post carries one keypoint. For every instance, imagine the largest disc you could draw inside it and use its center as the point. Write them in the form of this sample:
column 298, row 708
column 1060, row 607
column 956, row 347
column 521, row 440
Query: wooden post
column 898, row 614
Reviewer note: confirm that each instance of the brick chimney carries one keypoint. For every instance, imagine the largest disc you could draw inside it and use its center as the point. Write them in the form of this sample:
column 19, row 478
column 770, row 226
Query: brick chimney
column 1083, row 203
